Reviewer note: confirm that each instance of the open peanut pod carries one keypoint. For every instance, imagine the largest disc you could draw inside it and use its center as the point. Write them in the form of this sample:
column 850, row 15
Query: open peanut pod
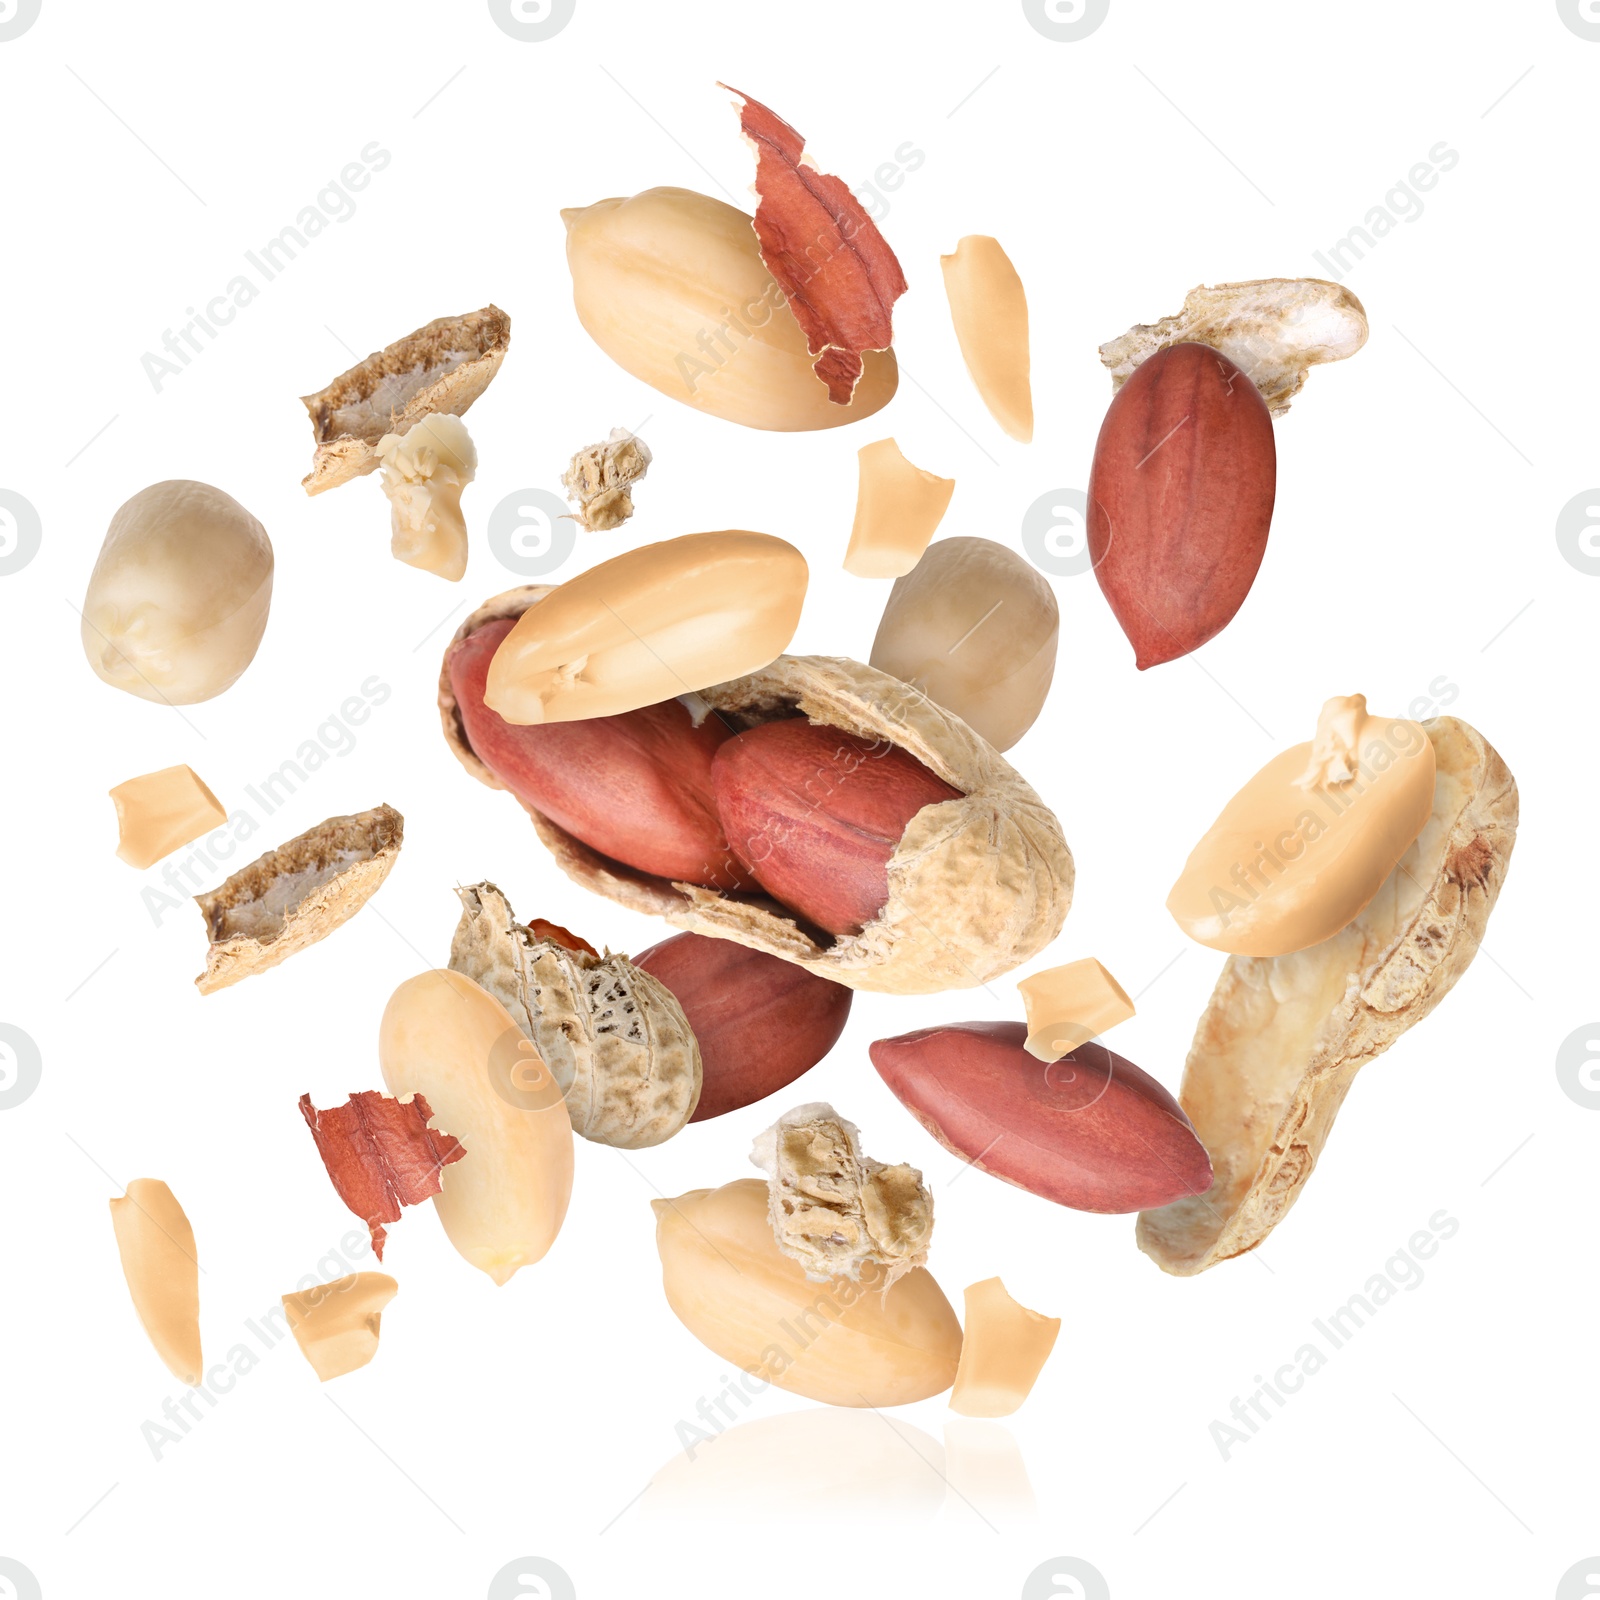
column 1283, row 1037
column 977, row 884
column 438, row 370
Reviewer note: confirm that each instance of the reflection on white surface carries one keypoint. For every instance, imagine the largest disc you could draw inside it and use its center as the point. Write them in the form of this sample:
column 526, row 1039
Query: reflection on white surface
column 986, row 1474
column 791, row 1467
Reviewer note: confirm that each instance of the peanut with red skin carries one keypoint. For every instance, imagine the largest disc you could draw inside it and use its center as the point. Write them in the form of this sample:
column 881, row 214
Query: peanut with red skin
column 1090, row 1131
column 1180, row 499
column 760, row 1021
column 635, row 787
column 814, row 814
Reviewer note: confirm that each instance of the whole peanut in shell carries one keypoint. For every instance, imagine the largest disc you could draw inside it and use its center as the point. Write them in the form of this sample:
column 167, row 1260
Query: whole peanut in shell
column 760, row 1021
column 1180, row 499
column 636, row 787
column 814, row 814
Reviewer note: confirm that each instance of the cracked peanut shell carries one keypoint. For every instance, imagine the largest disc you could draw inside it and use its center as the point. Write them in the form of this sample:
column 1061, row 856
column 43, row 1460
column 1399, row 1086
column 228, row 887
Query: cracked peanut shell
column 297, row 894
column 615, row 1039
column 441, row 368
column 977, row 885
column 1284, row 1036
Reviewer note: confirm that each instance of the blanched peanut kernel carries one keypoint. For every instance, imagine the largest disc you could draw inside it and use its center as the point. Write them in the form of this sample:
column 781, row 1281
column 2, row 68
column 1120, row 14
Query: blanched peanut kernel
column 160, row 811
column 336, row 1324
column 158, row 1260
column 973, row 626
column 178, row 598
column 1070, row 1005
column 661, row 621
column 898, row 510
column 843, row 1343
column 503, row 1203
column 1301, row 849
column 1003, row 1350
column 424, row 472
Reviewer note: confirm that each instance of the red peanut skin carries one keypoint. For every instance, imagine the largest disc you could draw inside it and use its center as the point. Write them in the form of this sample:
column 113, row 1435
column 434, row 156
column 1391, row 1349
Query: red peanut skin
column 1090, row 1131
column 760, row 1022
column 1180, row 499
column 635, row 787
column 814, row 814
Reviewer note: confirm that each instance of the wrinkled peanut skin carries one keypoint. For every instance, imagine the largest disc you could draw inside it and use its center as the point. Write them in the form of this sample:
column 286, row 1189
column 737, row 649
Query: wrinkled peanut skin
column 1090, row 1131
column 814, row 814
column 636, row 787
column 760, row 1021
column 1180, row 499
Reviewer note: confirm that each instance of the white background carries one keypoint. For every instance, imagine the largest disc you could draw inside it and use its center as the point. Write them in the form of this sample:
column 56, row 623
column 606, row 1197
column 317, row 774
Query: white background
column 147, row 148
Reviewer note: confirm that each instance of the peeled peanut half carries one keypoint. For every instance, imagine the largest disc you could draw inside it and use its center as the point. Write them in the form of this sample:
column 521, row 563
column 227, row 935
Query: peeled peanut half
column 1284, row 1036
column 977, row 885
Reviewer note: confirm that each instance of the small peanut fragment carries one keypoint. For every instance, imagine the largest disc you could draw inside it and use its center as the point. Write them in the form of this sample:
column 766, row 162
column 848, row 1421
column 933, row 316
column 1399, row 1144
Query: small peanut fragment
column 843, row 1343
column 336, row 1324
column 156, row 1244
column 898, row 510
column 1068, row 1006
column 600, row 479
column 504, row 1202
column 424, row 471
column 990, row 310
column 1004, row 1347
column 161, row 811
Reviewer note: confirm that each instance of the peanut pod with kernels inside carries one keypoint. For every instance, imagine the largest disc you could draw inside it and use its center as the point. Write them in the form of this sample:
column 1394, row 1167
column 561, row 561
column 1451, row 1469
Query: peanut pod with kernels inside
column 975, row 883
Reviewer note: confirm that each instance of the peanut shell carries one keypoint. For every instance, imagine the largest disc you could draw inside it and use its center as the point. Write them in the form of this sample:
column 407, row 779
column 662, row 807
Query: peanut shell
column 440, row 368
column 297, row 894
column 615, row 1039
column 1284, row 1036
column 977, row 886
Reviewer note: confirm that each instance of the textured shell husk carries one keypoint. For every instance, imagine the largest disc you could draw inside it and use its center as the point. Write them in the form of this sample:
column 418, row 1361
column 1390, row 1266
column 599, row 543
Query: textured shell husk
column 372, row 838
column 448, row 391
column 1273, row 329
column 845, row 1211
column 1447, row 885
column 977, row 885
column 614, row 1038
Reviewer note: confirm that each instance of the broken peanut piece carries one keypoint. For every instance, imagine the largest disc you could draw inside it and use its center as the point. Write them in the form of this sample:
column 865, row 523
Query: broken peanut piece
column 156, row 1244
column 1274, row 329
column 843, row 1343
column 898, row 510
column 424, row 471
column 296, row 895
column 600, row 479
column 663, row 620
column 380, row 1154
column 838, row 275
column 1304, row 846
column 1068, row 1006
column 1004, row 1347
column 160, row 811
column 990, row 310
column 444, row 1038
column 440, row 369
column 835, row 1210
column 336, row 1324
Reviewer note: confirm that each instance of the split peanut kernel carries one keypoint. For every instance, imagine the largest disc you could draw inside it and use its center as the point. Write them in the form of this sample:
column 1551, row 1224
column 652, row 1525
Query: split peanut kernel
column 161, row 811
